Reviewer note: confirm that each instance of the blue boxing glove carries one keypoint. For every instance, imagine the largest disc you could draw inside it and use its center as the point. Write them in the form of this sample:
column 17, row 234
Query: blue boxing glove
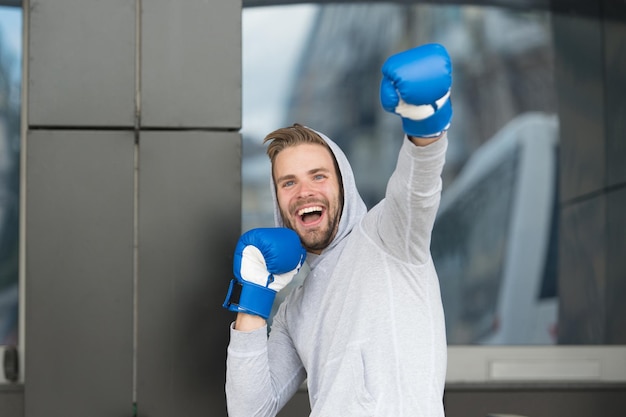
column 265, row 261
column 416, row 85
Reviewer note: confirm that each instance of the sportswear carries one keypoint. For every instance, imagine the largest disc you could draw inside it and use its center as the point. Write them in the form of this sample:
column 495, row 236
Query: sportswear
column 366, row 328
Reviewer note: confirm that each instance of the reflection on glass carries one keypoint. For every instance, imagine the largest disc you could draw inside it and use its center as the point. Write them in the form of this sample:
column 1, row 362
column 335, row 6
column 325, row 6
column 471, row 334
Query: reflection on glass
column 503, row 70
column 10, row 81
column 469, row 246
column 494, row 240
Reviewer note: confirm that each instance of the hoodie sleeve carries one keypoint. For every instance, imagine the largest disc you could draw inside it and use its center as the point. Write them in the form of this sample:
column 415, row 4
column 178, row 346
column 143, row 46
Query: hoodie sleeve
column 406, row 216
column 261, row 374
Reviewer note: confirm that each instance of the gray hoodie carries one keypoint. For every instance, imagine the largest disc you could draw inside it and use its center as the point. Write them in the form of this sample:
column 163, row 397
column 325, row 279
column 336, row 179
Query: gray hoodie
column 366, row 328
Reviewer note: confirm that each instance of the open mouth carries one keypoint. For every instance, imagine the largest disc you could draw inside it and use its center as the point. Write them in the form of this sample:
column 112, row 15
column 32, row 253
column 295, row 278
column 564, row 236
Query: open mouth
column 310, row 215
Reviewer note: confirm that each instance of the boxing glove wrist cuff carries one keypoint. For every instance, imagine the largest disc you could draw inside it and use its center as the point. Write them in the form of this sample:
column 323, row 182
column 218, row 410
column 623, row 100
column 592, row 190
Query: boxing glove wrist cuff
column 431, row 126
column 246, row 297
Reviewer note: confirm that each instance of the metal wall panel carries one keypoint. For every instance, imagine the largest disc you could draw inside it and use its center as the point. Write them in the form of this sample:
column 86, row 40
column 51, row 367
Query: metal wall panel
column 189, row 222
column 12, row 400
column 81, row 63
column 191, row 64
column 79, row 286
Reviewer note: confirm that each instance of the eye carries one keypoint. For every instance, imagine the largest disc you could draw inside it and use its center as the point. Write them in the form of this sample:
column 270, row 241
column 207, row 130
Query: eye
column 319, row 177
column 287, row 184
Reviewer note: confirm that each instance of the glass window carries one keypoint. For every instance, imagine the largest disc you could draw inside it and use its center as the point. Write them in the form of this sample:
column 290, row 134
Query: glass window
column 326, row 75
column 495, row 241
column 469, row 248
column 10, row 102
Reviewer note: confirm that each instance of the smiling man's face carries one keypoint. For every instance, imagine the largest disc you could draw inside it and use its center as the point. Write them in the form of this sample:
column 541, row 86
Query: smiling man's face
column 307, row 188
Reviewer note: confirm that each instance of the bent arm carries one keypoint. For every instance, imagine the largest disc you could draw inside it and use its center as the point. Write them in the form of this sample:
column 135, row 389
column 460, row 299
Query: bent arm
column 261, row 374
column 248, row 322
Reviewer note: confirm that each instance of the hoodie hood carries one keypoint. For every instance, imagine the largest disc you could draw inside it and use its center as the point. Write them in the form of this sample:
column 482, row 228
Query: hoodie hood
column 354, row 207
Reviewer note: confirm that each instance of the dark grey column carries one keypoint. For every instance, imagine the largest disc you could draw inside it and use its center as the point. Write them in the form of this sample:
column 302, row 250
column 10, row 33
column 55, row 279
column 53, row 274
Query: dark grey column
column 133, row 200
column 79, row 251
column 189, row 199
column 189, row 204
column 79, row 214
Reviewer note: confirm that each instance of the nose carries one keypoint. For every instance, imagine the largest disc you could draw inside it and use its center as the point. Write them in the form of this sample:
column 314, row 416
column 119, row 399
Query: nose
column 305, row 190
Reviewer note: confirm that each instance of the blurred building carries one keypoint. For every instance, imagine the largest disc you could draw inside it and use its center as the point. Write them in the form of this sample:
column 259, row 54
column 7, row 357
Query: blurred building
column 498, row 74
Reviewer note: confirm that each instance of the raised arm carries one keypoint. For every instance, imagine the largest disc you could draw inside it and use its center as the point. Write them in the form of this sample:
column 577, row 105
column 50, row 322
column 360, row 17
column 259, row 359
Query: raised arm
column 416, row 86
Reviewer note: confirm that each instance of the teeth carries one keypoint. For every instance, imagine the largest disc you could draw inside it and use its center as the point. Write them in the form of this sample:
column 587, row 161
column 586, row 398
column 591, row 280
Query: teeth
column 308, row 210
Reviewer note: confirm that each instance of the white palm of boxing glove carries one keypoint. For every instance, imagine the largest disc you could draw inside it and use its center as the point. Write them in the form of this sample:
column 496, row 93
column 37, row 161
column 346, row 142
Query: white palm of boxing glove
column 254, row 269
column 265, row 261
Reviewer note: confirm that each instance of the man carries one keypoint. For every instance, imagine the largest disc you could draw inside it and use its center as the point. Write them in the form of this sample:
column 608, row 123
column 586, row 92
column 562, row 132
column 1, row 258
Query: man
column 366, row 327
